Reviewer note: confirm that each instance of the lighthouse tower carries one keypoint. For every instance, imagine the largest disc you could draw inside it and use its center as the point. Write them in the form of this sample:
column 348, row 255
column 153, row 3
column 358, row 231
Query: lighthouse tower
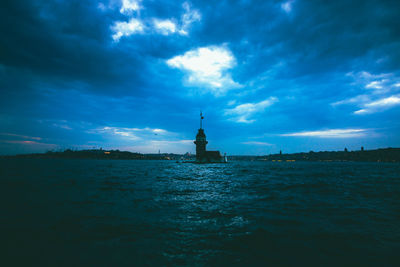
column 202, row 155
column 201, row 141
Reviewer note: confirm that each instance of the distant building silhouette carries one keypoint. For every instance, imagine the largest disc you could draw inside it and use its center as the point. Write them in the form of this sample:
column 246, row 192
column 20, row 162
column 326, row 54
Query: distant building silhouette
column 202, row 155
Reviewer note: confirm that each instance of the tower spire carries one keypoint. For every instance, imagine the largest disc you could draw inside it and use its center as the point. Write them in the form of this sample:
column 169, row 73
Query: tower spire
column 201, row 120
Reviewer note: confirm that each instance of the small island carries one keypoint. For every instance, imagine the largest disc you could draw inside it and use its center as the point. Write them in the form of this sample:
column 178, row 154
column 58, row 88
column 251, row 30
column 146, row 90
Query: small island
column 202, row 154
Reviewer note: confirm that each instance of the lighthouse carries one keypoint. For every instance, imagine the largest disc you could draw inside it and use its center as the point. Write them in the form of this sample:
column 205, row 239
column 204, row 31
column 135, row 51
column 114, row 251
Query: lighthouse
column 201, row 141
column 202, row 155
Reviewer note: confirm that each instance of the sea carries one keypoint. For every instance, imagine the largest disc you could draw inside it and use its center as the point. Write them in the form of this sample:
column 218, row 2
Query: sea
column 59, row 212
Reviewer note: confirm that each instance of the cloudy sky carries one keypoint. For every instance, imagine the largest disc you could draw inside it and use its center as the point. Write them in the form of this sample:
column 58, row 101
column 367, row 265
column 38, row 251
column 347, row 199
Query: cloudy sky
column 133, row 75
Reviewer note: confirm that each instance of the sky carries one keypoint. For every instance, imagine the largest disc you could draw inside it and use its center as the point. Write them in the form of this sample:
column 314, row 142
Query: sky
column 133, row 75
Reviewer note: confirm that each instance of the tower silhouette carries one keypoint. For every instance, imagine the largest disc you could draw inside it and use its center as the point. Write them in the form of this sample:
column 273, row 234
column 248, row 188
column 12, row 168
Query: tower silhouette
column 201, row 141
column 202, row 155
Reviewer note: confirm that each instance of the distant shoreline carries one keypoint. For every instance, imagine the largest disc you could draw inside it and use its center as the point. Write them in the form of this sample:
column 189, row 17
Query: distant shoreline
column 376, row 155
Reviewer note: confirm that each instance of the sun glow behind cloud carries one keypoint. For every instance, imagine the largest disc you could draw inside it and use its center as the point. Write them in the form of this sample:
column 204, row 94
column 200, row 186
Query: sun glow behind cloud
column 207, row 66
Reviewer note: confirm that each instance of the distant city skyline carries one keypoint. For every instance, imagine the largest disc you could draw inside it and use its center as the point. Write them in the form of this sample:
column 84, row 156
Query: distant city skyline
column 134, row 75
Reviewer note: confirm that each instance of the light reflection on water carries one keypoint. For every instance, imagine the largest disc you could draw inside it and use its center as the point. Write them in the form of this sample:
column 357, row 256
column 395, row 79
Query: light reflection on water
column 164, row 213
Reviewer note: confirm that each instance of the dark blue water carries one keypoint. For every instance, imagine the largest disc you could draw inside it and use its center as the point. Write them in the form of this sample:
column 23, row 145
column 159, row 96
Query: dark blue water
column 158, row 213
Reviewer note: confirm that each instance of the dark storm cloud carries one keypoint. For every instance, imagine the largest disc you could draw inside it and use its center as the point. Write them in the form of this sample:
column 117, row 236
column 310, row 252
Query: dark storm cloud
column 314, row 37
column 67, row 41
column 72, row 38
column 52, row 40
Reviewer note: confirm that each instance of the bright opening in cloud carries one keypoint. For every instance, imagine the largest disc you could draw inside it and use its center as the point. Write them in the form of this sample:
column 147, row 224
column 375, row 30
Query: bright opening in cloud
column 207, row 66
column 332, row 133
column 126, row 28
column 244, row 112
